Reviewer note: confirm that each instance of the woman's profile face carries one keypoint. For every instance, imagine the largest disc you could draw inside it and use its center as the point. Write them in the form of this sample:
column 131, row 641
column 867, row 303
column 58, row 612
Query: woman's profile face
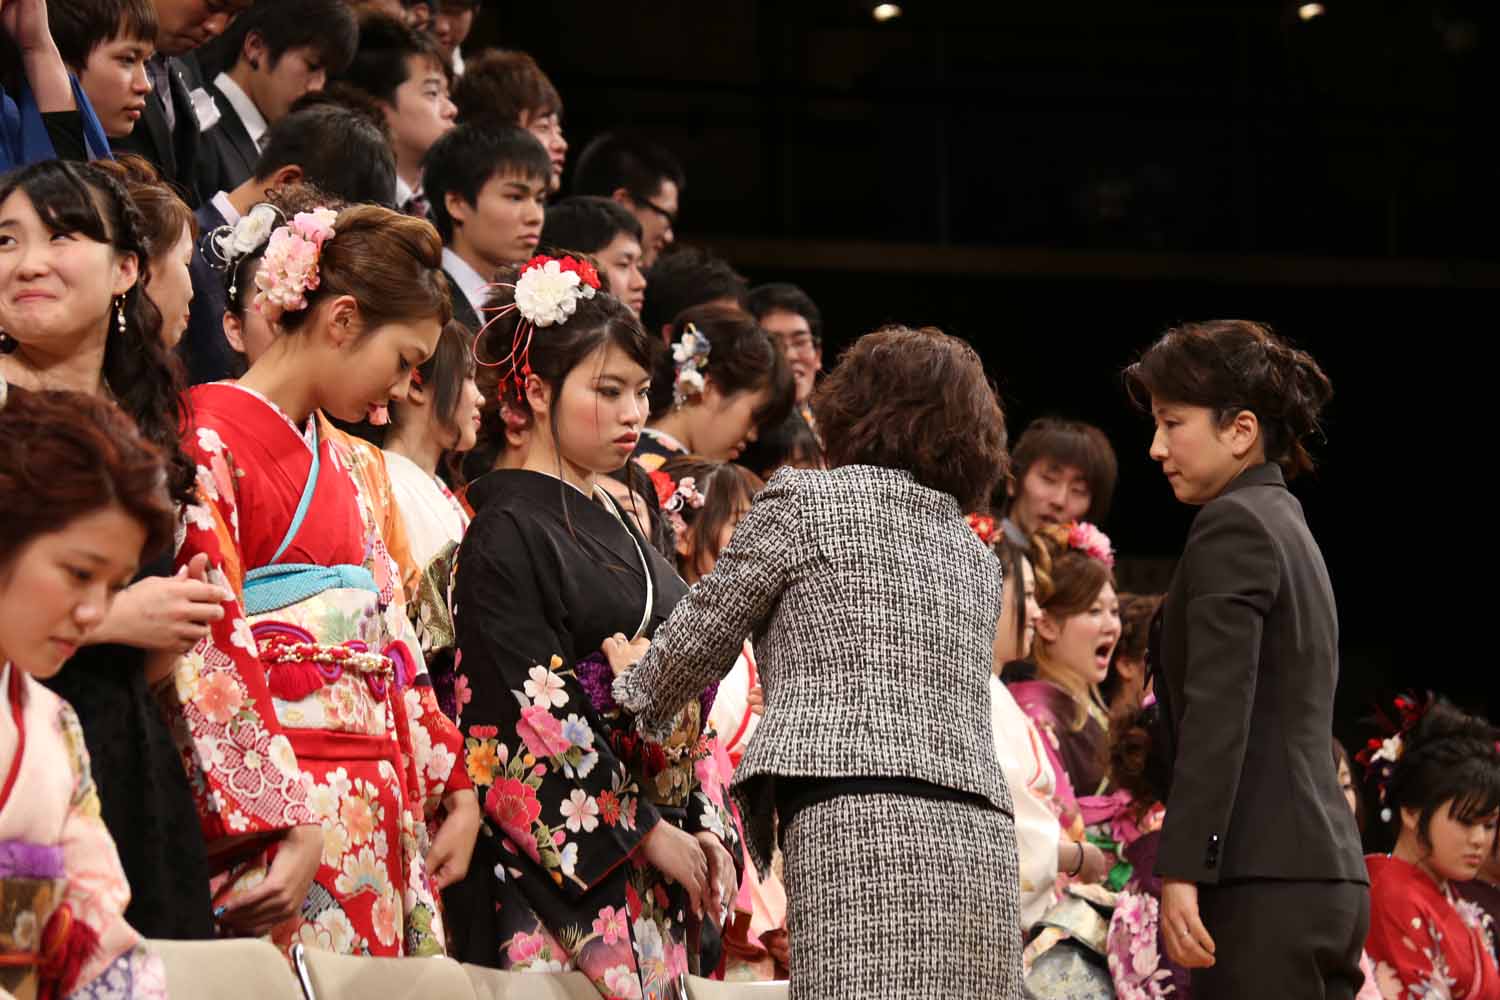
column 1084, row 642
column 1194, row 451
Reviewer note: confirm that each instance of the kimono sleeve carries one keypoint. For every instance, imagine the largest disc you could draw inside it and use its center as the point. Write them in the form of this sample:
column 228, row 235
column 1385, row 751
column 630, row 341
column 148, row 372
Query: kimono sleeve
column 708, row 805
column 96, row 891
column 241, row 767
column 548, row 783
column 699, row 643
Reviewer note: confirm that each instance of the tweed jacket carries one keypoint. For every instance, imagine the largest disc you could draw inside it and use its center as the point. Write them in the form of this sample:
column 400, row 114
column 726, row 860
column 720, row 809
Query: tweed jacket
column 872, row 607
column 1246, row 664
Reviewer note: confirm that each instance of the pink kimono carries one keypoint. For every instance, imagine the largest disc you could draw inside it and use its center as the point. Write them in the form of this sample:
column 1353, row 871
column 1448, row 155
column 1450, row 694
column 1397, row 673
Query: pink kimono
column 62, row 890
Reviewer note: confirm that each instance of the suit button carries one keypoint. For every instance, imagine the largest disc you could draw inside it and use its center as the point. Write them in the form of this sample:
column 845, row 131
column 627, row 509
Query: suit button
column 1211, row 859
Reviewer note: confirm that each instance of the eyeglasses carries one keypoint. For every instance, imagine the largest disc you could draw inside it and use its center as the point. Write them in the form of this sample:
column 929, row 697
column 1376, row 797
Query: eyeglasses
column 671, row 217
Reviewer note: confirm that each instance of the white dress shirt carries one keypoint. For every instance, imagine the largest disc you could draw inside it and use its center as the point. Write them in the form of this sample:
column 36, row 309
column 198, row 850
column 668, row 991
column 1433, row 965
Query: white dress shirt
column 250, row 116
column 473, row 284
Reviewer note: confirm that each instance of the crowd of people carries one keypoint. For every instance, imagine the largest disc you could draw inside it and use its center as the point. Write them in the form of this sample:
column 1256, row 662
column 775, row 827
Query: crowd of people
column 408, row 548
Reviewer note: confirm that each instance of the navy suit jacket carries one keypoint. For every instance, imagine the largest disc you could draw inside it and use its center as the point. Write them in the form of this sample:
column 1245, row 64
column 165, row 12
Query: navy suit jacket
column 208, row 356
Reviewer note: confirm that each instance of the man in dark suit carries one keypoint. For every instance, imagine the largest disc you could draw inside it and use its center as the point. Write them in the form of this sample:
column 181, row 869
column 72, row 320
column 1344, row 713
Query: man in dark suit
column 279, row 51
column 169, row 130
column 488, row 191
column 340, row 151
column 1265, row 892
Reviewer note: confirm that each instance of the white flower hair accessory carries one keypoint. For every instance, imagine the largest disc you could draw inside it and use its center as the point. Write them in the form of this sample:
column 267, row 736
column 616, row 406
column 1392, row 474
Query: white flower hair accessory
column 690, row 357
column 232, row 244
column 547, row 293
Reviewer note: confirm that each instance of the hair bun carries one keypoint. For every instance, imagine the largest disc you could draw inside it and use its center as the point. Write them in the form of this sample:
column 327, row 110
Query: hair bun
column 1444, row 724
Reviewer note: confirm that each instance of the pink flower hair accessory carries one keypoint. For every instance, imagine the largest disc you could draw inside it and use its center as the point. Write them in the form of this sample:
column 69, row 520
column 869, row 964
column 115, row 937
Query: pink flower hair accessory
column 1092, row 542
column 289, row 268
column 1081, row 536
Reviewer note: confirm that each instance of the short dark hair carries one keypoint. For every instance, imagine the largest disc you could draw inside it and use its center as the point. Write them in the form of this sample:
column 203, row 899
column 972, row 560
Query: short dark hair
column 330, row 26
column 339, row 150
column 80, row 26
column 500, row 85
column 1448, row 756
column 626, row 160
column 786, row 297
column 349, row 97
column 587, row 224
column 1232, row 365
column 464, row 159
column 918, row 400
column 381, row 60
column 685, row 277
column 1071, row 442
column 1138, row 759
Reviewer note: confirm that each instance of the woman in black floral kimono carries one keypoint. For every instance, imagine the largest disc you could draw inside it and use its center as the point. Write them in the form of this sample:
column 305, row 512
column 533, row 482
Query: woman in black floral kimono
column 598, row 848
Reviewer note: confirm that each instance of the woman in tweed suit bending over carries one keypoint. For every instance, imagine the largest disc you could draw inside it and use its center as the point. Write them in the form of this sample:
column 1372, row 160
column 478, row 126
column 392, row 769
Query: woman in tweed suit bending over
column 872, row 606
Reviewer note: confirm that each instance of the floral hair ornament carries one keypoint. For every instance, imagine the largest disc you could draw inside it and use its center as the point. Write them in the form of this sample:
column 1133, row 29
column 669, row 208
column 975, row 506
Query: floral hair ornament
column 1084, row 537
column 984, row 526
column 1380, row 755
column 289, row 267
column 689, row 357
column 547, row 293
column 676, row 495
column 232, row 244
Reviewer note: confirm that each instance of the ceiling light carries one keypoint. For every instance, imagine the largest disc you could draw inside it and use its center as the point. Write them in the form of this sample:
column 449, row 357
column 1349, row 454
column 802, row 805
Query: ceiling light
column 886, row 11
column 1308, row 11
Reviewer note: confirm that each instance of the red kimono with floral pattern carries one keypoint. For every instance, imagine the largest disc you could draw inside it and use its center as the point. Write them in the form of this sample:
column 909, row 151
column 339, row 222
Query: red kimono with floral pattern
column 1425, row 941
column 316, row 711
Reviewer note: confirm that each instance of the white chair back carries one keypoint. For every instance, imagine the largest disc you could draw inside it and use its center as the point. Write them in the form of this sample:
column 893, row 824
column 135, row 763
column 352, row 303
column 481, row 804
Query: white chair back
column 232, row 969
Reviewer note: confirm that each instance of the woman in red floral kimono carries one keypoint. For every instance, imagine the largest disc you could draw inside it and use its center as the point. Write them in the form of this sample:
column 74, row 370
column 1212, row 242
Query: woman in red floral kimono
column 600, row 850
column 309, row 703
column 1440, row 783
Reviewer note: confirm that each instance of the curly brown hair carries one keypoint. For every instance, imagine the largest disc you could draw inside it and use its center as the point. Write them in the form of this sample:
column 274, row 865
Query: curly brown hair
column 918, row 400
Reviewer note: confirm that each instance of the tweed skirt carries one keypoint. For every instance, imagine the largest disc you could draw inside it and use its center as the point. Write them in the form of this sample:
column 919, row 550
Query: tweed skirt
column 895, row 896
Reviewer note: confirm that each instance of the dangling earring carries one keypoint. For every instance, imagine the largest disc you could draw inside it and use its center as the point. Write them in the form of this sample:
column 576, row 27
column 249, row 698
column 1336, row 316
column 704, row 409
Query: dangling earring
column 120, row 314
column 7, row 343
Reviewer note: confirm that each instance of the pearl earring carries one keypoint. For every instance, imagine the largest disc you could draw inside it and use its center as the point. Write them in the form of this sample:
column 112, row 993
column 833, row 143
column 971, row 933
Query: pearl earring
column 120, row 314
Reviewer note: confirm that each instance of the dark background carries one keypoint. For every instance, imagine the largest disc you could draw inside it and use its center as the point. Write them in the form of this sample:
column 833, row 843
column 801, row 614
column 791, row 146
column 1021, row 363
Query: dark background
column 1059, row 182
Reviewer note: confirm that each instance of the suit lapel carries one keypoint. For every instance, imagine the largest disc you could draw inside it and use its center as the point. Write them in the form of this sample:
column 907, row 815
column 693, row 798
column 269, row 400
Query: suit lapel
column 235, row 135
column 462, row 310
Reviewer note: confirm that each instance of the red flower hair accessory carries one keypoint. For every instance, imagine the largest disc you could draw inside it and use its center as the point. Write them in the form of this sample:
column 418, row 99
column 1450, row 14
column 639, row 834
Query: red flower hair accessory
column 984, row 526
column 674, row 496
column 1380, row 755
column 547, row 293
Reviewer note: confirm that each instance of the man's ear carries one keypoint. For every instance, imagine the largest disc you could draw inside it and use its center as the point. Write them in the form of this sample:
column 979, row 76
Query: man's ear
column 291, row 173
column 459, row 210
column 254, row 53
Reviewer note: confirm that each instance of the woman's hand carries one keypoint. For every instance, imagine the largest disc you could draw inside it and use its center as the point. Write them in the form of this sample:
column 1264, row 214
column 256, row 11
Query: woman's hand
column 453, row 847
column 172, row 613
column 1091, row 867
column 278, row 898
column 1188, row 941
column 723, row 880
column 623, row 653
column 679, row 857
